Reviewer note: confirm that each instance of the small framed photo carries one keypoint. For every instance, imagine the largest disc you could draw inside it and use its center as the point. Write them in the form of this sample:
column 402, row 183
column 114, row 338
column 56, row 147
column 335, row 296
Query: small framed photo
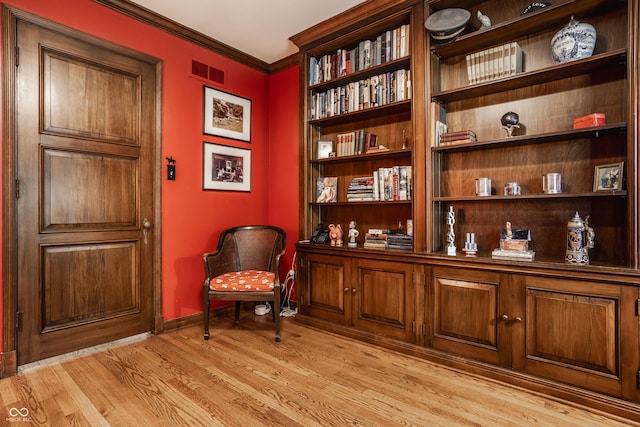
column 608, row 177
column 226, row 115
column 325, row 148
column 226, row 168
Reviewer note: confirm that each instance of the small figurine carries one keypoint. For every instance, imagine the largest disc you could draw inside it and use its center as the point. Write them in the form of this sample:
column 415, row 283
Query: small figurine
column 484, row 20
column 335, row 234
column 353, row 234
column 509, row 122
column 451, row 237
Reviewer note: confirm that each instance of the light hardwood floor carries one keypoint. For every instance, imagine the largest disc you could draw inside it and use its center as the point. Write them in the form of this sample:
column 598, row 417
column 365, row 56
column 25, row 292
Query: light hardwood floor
column 241, row 377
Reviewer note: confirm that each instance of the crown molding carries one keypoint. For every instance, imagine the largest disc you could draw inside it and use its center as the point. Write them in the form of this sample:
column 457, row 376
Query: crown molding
column 145, row 15
column 358, row 16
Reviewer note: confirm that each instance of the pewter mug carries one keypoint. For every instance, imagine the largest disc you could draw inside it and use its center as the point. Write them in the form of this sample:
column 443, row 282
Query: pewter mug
column 483, row 186
column 552, row 183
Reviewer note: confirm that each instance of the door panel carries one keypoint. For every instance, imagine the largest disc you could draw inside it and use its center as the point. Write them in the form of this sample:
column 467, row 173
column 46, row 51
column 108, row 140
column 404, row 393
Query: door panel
column 466, row 315
column 382, row 298
column 574, row 334
column 325, row 295
column 86, row 120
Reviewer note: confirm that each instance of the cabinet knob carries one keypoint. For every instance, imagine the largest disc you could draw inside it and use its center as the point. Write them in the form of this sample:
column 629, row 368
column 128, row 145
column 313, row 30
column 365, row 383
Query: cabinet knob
column 353, row 290
column 518, row 320
column 346, row 289
column 505, row 317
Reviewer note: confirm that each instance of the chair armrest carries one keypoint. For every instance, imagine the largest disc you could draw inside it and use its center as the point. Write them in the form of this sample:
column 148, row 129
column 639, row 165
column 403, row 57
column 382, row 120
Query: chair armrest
column 223, row 260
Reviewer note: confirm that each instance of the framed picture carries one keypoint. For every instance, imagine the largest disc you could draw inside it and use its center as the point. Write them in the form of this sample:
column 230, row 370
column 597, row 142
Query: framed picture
column 226, row 115
column 608, row 177
column 226, row 168
column 325, row 148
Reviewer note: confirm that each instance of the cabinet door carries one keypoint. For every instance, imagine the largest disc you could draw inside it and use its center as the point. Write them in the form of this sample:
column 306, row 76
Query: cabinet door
column 382, row 298
column 323, row 287
column 466, row 309
column 580, row 333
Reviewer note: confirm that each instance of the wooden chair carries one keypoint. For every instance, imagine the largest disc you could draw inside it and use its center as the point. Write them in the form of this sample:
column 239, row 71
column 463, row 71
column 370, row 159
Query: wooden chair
column 244, row 267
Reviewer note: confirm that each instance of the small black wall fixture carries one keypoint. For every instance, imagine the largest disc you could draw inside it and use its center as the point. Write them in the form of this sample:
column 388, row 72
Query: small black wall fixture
column 171, row 169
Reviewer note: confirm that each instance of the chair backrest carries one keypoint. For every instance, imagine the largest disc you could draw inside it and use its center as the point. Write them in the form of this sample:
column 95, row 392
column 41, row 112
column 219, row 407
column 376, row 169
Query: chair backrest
column 257, row 247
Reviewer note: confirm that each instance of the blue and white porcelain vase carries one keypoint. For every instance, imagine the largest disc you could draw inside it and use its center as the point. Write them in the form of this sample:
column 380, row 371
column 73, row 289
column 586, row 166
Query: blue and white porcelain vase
column 574, row 41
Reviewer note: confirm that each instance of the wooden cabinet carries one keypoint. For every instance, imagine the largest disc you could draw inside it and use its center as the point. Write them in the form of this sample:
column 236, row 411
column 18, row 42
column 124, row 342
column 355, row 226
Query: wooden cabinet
column 579, row 332
column 367, row 294
column 565, row 330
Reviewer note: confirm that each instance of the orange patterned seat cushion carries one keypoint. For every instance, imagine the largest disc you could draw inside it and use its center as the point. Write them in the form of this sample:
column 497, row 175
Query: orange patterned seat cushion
column 247, row 280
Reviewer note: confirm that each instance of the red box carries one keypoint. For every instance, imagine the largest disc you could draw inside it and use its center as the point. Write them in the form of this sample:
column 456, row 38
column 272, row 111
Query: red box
column 595, row 119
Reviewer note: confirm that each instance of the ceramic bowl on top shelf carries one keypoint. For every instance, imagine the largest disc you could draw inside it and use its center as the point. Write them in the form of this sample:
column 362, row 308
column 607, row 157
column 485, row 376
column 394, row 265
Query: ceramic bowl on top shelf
column 447, row 24
column 574, row 41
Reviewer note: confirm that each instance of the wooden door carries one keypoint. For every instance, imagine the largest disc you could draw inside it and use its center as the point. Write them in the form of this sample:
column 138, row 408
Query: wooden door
column 86, row 140
column 382, row 298
column 468, row 312
column 582, row 333
column 323, row 287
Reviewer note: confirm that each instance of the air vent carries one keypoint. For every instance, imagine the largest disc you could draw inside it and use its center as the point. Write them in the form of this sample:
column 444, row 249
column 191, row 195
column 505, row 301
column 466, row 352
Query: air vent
column 207, row 72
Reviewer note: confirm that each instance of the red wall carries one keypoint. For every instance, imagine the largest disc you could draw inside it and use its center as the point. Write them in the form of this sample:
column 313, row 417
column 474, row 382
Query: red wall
column 193, row 218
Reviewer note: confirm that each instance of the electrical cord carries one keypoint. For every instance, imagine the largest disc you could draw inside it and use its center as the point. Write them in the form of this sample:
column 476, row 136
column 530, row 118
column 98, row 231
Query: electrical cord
column 287, row 290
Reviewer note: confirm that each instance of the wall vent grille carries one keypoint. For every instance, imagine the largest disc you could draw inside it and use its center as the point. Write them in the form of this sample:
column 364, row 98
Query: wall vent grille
column 207, row 72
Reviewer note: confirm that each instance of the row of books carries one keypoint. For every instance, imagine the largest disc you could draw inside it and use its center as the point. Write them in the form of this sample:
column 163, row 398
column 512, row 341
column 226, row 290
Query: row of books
column 375, row 91
column 494, row 63
column 358, row 142
column 386, row 184
column 388, row 46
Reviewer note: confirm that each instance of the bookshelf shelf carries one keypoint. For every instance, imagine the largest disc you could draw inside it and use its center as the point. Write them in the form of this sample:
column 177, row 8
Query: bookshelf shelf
column 522, row 140
column 603, row 61
column 553, row 16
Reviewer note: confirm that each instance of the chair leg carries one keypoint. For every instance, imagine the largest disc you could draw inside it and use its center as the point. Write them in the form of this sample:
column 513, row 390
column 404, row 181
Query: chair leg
column 206, row 305
column 237, row 311
column 276, row 312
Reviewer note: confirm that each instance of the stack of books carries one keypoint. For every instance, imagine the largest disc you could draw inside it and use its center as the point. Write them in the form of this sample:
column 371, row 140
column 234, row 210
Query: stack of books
column 376, row 239
column 460, row 137
column 494, row 63
column 400, row 241
column 360, row 189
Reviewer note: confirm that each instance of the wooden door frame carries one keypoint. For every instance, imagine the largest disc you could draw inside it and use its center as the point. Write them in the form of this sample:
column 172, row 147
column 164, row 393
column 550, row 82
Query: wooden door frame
column 10, row 17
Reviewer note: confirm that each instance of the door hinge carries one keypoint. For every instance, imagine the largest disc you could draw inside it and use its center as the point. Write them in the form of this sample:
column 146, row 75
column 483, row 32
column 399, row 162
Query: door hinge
column 17, row 188
column 638, row 380
column 638, row 307
column 413, row 327
column 18, row 321
column 17, row 56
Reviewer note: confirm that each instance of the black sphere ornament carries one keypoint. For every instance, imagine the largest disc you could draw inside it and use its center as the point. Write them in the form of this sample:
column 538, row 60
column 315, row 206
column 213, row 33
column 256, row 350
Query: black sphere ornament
column 509, row 122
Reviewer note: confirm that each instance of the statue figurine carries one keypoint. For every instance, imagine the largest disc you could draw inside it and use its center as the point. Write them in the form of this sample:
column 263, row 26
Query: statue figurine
column 335, row 234
column 485, row 21
column 451, row 237
column 353, row 234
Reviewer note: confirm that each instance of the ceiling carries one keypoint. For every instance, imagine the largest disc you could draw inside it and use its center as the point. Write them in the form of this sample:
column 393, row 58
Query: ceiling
column 260, row 28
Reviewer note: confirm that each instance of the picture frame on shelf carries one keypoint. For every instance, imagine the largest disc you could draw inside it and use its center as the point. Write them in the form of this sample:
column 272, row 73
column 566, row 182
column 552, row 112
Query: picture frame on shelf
column 608, row 177
column 226, row 115
column 325, row 148
column 225, row 168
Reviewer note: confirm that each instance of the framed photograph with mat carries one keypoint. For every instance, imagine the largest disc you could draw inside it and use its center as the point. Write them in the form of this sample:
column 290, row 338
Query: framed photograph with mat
column 226, row 115
column 225, row 168
column 608, row 177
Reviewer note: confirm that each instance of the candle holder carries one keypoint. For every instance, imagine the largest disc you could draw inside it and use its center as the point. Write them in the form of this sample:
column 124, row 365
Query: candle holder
column 470, row 246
